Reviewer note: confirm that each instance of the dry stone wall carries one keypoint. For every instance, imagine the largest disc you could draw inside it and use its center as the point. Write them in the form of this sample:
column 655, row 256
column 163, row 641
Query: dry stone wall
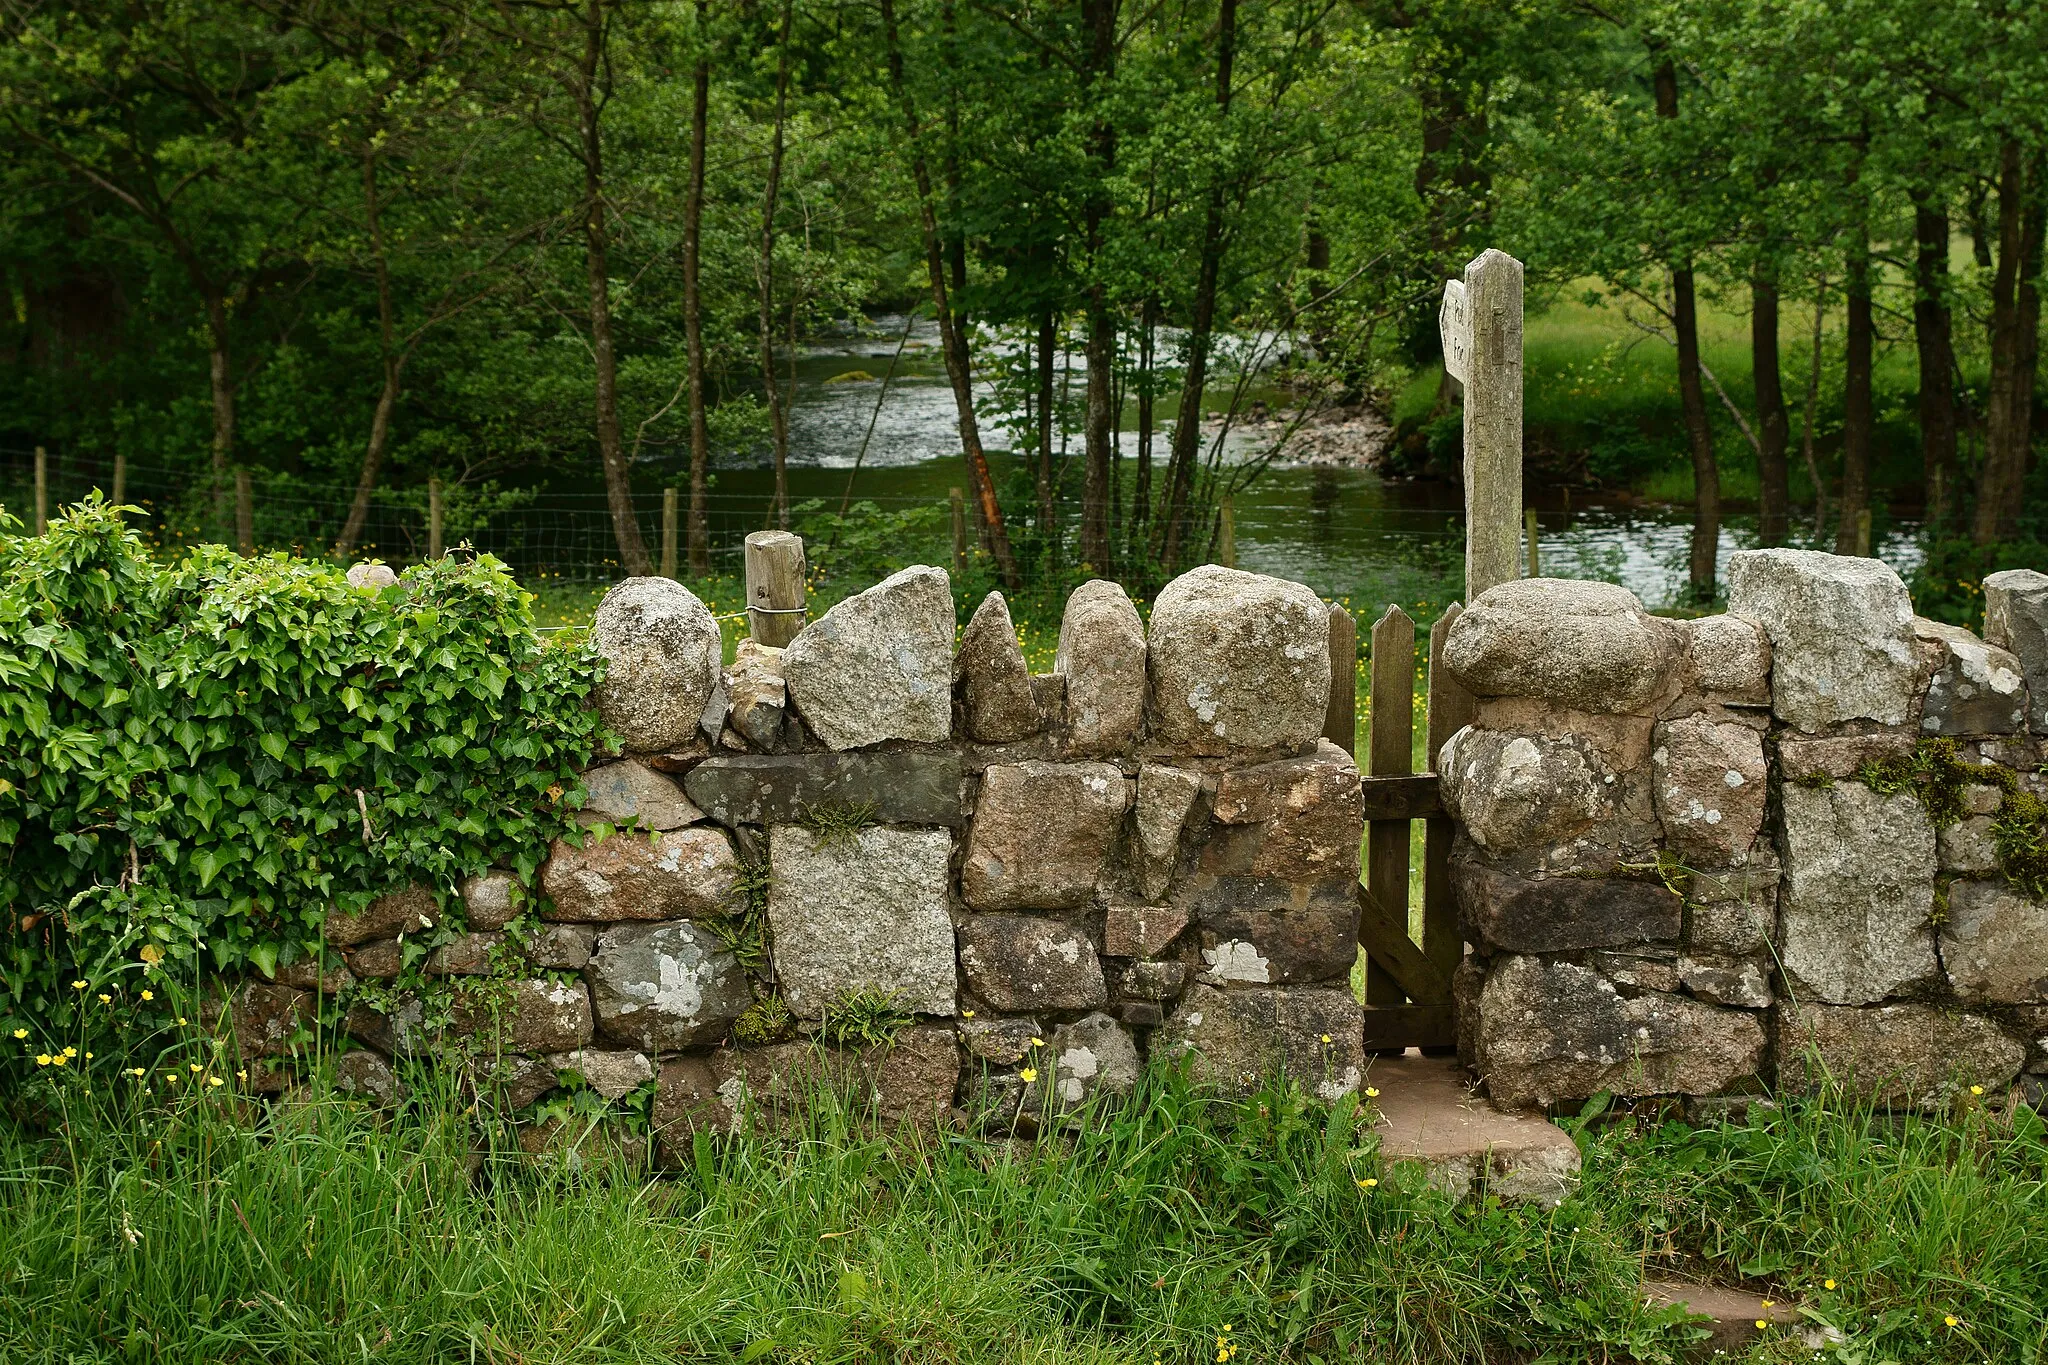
column 1711, row 857
column 1040, row 879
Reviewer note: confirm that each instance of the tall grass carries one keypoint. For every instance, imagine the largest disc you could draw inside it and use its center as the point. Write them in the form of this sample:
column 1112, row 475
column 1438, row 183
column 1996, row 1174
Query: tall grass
column 1180, row 1228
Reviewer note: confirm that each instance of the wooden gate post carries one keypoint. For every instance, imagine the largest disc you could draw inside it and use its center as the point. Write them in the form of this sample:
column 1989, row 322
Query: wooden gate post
column 668, row 531
column 1450, row 709
column 1340, row 718
column 775, row 586
column 42, row 491
column 1481, row 324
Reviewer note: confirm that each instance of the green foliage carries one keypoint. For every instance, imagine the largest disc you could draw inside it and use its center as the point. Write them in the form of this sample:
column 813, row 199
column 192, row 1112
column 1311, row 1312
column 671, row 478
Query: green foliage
column 1933, row 774
column 1949, row 584
column 864, row 1018
column 837, row 822
column 199, row 761
column 767, row 1020
column 2020, row 832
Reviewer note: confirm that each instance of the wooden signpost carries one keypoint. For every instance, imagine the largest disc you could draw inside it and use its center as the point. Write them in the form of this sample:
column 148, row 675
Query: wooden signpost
column 1481, row 323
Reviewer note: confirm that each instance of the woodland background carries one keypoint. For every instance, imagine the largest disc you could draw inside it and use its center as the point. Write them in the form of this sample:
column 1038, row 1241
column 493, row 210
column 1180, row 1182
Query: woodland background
column 514, row 244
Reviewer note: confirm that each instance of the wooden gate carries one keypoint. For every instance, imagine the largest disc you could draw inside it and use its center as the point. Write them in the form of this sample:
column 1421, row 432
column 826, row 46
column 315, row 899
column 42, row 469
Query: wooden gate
column 1409, row 958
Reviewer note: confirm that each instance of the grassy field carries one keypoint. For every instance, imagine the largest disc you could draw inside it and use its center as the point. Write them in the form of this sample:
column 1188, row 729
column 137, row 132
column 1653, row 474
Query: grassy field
column 1177, row 1229
column 1601, row 398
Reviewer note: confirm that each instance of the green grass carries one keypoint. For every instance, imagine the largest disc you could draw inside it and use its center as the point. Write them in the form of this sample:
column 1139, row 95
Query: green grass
column 325, row 1234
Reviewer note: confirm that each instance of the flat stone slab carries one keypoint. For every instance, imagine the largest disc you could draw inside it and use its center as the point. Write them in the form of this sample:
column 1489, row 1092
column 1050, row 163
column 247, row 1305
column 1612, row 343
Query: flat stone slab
column 906, row 787
column 1428, row 1115
column 1731, row 1315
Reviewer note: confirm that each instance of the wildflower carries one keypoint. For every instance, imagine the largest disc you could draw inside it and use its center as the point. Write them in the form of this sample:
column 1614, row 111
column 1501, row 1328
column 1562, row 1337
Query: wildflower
column 136, row 1072
column 181, row 1021
column 1372, row 1092
column 196, row 1067
column 21, row 1033
column 106, row 999
column 215, row 1080
column 1770, row 1303
column 966, row 1014
column 1326, row 1037
column 1038, row 1042
column 1761, row 1324
column 60, row 1059
column 1028, row 1074
column 70, row 1052
column 149, row 995
column 88, row 1056
column 1827, row 1284
column 242, row 1075
column 1976, row 1090
column 1368, row 1183
column 1952, row 1320
column 78, row 985
column 42, row 1059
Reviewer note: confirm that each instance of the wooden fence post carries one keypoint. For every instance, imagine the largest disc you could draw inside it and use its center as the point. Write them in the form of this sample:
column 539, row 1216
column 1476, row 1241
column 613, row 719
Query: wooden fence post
column 245, row 514
column 42, row 491
column 1529, row 524
column 668, row 532
column 775, row 586
column 1390, row 752
column 434, row 540
column 1226, row 536
column 1450, row 709
column 1340, row 719
column 959, row 502
column 1481, row 324
column 120, row 480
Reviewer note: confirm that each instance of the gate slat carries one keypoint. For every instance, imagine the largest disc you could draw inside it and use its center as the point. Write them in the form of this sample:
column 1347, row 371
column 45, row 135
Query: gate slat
column 1451, row 708
column 1390, row 753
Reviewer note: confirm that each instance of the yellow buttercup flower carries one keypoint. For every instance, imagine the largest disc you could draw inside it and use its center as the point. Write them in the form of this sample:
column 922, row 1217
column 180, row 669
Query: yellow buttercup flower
column 215, row 1080
column 1952, row 1320
column 21, row 1033
column 42, row 1059
column 78, row 985
column 1976, row 1090
column 1372, row 1092
column 1761, row 1324
column 106, row 999
column 181, row 1021
column 136, row 1071
column 149, row 995
column 966, row 1014
column 1326, row 1037
column 1368, row 1183
column 196, row 1067
column 1827, row 1284
column 60, row 1059
column 1028, row 1074
column 70, row 1052
column 1038, row 1042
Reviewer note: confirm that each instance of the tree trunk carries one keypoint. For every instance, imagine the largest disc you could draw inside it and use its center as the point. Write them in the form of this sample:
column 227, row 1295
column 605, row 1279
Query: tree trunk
column 693, row 309
column 1706, row 475
column 1141, row 493
column 1932, row 334
column 959, row 367
column 778, row 420
column 387, row 399
column 221, row 379
column 1048, row 515
column 2015, row 331
column 1187, row 430
column 1774, row 428
column 1857, row 418
column 618, row 475
column 1692, row 396
column 1100, row 15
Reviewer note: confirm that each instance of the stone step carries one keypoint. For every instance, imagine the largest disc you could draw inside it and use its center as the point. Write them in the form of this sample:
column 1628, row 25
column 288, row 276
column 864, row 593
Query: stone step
column 1427, row 1115
column 1734, row 1318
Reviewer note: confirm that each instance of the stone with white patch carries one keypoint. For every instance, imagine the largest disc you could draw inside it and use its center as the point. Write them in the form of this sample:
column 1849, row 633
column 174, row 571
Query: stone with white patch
column 993, row 681
column 1041, row 833
column 1092, row 1058
column 630, row 790
column 1841, row 635
column 1994, row 943
column 1730, row 659
column 613, row 1075
column 1587, row 646
column 1976, row 688
column 1026, row 962
column 1709, row 788
column 1903, row 1055
column 1239, row 662
column 879, row 665
column 660, row 987
column 1166, row 797
column 1515, row 791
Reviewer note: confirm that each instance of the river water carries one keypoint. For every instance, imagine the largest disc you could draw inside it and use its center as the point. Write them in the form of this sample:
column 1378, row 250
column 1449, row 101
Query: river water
column 1345, row 531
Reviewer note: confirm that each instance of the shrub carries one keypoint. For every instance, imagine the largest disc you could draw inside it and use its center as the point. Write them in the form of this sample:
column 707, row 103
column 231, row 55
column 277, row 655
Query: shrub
column 198, row 761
